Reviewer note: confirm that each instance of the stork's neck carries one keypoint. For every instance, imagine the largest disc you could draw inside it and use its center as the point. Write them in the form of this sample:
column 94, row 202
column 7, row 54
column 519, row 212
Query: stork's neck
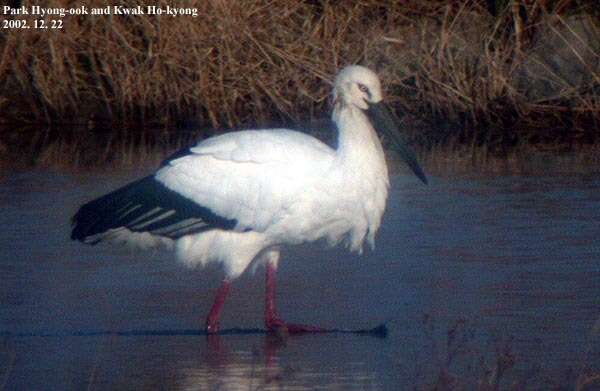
column 358, row 143
column 361, row 168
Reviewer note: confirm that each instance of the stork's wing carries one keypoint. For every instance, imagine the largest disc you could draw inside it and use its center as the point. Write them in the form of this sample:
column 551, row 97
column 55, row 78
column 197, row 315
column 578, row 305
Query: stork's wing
column 250, row 177
column 240, row 180
column 143, row 206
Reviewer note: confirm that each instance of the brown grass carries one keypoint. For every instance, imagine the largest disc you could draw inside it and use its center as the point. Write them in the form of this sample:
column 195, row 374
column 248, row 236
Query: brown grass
column 260, row 61
column 471, row 67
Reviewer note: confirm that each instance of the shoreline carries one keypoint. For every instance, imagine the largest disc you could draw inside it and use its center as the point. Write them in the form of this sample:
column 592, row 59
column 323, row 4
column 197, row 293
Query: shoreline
column 77, row 148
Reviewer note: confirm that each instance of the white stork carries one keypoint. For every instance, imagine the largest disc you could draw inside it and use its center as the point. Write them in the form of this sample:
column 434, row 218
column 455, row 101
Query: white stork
column 237, row 197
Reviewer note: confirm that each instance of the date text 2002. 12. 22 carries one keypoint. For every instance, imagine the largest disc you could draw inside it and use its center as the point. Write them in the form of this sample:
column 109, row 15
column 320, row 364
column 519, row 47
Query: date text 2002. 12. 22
column 36, row 24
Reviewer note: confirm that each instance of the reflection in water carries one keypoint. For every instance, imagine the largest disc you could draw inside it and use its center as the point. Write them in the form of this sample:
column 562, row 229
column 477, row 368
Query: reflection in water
column 247, row 362
column 516, row 258
column 266, row 366
column 245, row 370
column 223, row 369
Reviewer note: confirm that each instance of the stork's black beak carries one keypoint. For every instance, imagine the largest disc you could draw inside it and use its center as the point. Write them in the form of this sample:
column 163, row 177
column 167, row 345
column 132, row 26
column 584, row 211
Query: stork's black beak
column 384, row 123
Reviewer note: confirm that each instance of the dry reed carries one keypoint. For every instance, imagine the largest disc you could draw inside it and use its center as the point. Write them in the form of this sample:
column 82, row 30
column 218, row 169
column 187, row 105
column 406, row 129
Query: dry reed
column 523, row 72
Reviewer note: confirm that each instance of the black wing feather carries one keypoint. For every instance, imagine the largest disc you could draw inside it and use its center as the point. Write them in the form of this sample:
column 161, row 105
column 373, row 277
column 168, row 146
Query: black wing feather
column 145, row 205
column 176, row 155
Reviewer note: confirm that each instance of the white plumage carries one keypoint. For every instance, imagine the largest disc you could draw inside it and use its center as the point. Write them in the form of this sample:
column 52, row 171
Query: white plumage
column 256, row 190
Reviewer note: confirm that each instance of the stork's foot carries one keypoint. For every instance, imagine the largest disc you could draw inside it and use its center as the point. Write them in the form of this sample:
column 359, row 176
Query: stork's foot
column 278, row 326
column 273, row 322
column 212, row 326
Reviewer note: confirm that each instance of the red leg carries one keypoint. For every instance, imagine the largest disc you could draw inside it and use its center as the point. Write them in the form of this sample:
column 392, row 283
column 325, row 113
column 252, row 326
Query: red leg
column 272, row 320
column 212, row 321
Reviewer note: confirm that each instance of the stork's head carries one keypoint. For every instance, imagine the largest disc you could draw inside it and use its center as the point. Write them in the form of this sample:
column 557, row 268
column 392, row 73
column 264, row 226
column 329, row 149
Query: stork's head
column 357, row 86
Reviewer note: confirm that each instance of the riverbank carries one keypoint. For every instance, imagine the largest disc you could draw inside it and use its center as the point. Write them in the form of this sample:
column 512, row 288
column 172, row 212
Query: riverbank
column 76, row 148
column 513, row 70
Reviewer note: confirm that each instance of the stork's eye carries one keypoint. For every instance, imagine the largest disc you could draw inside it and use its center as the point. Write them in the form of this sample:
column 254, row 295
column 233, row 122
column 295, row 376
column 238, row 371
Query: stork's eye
column 363, row 88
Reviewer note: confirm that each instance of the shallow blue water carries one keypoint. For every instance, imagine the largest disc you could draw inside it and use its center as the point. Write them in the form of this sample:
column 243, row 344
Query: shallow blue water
column 465, row 270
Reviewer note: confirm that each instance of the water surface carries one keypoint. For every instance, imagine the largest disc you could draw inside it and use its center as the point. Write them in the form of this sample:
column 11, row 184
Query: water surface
column 466, row 271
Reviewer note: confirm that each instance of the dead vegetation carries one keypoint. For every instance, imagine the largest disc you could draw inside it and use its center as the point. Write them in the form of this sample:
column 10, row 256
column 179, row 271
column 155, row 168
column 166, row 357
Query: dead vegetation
column 493, row 63
column 476, row 83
